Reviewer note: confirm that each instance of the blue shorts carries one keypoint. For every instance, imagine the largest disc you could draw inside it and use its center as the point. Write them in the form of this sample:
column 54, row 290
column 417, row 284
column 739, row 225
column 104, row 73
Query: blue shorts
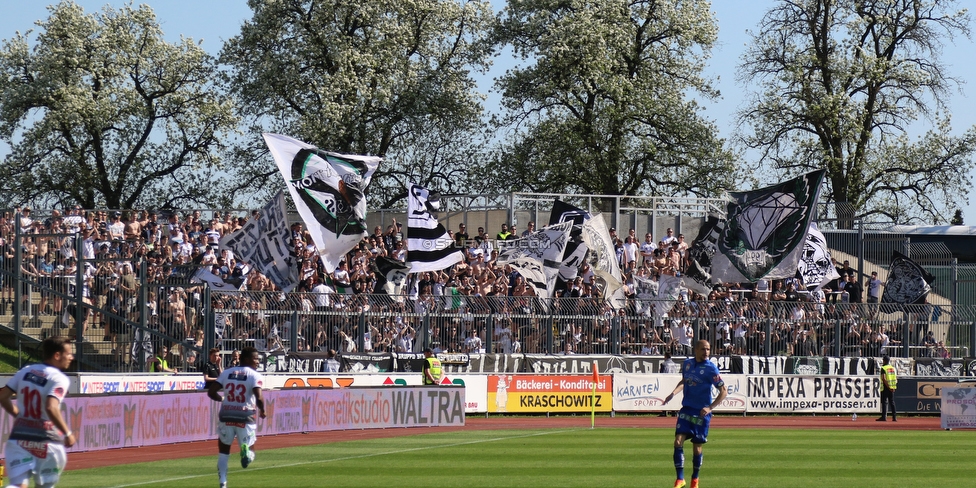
column 693, row 425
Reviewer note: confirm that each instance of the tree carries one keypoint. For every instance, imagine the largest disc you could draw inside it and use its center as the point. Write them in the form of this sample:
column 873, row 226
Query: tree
column 840, row 82
column 602, row 105
column 99, row 110
column 957, row 218
column 367, row 77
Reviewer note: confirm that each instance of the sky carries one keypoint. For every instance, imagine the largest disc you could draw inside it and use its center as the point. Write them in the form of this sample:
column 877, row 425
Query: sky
column 214, row 21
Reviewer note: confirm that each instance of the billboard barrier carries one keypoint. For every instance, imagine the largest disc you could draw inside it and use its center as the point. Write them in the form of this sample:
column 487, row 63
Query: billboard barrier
column 646, row 393
column 475, row 385
column 114, row 421
column 542, row 394
column 958, row 408
column 818, row 394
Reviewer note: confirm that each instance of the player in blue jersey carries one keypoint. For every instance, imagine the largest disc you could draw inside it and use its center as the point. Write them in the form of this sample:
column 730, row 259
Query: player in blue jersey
column 698, row 376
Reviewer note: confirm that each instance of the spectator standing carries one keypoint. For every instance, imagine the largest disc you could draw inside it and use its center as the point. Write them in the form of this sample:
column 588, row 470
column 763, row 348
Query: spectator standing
column 116, row 228
column 331, row 364
column 461, row 236
column 647, row 249
column 669, row 366
column 132, row 229
column 847, row 269
column 873, row 286
column 698, row 376
column 631, row 250
column 239, row 404
column 472, row 344
column 211, row 369
column 682, row 247
column 669, row 237
column 235, row 359
column 854, row 289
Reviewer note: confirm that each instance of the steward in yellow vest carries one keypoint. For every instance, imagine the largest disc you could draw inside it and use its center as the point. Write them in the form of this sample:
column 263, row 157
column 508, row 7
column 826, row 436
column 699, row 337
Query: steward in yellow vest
column 432, row 368
column 889, row 383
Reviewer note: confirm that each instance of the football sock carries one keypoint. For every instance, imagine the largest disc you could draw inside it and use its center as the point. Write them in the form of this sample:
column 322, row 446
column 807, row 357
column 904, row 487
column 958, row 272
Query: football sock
column 697, row 461
column 679, row 462
column 222, row 466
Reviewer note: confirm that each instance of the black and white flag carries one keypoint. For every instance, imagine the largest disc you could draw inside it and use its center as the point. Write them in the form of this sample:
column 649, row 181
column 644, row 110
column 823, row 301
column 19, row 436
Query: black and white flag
column 815, row 267
column 766, row 229
column 602, row 254
column 533, row 271
column 390, row 275
column 545, row 247
column 329, row 193
column 429, row 247
column 213, row 281
column 907, row 283
column 575, row 251
column 266, row 244
column 657, row 296
column 647, row 290
column 698, row 276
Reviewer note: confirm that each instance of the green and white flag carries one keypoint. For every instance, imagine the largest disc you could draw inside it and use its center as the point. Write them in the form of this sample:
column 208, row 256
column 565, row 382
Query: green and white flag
column 340, row 289
column 765, row 230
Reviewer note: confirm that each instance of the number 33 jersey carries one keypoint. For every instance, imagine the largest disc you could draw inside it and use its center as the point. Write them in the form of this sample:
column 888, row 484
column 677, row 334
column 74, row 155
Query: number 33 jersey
column 33, row 384
column 239, row 405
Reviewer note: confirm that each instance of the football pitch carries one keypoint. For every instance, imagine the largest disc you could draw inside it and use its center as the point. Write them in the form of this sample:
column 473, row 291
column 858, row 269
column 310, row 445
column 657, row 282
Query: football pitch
column 602, row 457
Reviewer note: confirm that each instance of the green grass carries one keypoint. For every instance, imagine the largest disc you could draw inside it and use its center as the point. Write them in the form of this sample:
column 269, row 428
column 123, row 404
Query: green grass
column 8, row 357
column 584, row 458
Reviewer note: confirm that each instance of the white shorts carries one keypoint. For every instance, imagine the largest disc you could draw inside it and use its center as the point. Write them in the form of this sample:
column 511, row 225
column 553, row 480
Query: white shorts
column 245, row 435
column 43, row 460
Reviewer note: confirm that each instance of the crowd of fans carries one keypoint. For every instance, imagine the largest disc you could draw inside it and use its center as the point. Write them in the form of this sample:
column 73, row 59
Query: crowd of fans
column 478, row 305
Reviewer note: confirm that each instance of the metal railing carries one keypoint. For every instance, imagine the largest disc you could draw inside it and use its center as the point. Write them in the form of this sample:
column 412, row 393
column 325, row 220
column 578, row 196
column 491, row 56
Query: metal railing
column 474, row 324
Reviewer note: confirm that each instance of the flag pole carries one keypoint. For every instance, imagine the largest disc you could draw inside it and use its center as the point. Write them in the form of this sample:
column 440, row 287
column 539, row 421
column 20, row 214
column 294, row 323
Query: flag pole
column 596, row 377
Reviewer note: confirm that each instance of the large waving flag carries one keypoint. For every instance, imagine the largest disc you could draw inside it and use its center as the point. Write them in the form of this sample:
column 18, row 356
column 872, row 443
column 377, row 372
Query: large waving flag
column 698, row 276
column 575, row 250
column 669, row 290
column 329, row 193
column 603, row 260
column 266, row 244
column 533, row 271
column 766, row 229
column 657, row 296
column 907, row 283
column 542, row 251
column 390, row 275
column 646, row 291
column 815, row 268
column 429, row 247
column 603, row 255
column 214, row 282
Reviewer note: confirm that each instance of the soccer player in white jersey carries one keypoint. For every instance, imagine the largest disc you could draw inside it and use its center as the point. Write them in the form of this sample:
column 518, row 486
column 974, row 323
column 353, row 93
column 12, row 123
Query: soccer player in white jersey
column 39, row 435
column 241, row 401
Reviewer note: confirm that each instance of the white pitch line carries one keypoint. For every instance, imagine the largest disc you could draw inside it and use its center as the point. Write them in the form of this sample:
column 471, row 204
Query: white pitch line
column 322, row 461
